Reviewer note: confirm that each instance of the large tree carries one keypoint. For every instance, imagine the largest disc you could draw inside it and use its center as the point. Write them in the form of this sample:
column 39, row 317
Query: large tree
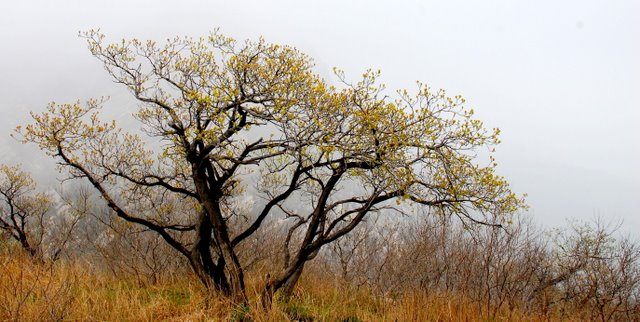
column 232, row 120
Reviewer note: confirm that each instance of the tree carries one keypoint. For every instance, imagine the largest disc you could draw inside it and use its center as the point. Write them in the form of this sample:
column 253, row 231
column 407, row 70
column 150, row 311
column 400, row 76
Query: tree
column 23, row 210
column 253, row 119
column 44, row 225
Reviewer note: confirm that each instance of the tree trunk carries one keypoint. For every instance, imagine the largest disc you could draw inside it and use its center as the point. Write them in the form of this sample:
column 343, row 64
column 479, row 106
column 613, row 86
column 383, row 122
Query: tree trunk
column 290, row 283
column 24, row 242
column 236, row 275
column 285, row 282
column 210, row 201
column 209, row 273
column 232, row 263
column 267, row 294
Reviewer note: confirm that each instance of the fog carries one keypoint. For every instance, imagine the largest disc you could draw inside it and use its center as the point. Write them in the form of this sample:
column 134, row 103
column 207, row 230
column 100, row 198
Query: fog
column 560, row 79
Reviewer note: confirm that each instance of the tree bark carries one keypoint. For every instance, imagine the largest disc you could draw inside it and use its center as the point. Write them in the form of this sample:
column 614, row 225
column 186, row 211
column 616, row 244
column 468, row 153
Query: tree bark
column 290, row 283
column 24, row 242
column 287, row 279
column 209, row 197
column 234, row 269
column 209, row 273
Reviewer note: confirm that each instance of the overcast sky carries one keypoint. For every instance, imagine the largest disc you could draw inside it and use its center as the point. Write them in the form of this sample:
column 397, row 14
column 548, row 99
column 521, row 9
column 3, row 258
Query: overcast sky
column 560, row 78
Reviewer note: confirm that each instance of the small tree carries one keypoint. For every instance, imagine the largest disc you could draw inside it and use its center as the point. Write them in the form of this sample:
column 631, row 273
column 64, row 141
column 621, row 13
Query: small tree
column 252, row 119
column 23, row 210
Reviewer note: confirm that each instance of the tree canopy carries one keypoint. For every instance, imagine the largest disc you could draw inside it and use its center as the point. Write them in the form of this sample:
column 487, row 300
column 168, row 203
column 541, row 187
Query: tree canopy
column 236, row 119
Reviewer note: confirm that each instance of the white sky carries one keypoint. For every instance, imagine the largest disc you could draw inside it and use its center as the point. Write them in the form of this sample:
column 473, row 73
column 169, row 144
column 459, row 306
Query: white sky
column 560, row 78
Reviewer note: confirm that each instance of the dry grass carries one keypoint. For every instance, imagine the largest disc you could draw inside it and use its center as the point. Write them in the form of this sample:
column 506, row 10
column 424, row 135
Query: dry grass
column 74, row 292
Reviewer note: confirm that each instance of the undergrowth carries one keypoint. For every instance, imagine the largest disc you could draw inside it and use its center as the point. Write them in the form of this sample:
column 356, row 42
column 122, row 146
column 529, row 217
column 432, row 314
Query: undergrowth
column 31, row 291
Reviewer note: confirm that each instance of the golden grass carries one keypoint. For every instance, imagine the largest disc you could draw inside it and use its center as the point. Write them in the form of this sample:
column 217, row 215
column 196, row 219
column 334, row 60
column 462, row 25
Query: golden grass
column 73, row 292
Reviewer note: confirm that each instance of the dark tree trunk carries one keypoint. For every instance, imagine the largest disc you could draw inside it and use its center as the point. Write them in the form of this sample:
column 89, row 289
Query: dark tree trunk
column 210, row 201
column 24, row 242
column 233, row 267
column 228, row 256
column 285, row 281
column 267, row 294
column 290, row 283
column 209, row 273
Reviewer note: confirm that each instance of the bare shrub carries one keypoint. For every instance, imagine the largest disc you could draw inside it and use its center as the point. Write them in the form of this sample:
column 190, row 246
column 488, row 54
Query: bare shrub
column 34, row 291
column 597, row 273
column 582, row 270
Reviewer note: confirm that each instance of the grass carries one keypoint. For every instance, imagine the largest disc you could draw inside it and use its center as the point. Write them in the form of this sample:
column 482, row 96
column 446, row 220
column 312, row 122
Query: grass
column 73, row 292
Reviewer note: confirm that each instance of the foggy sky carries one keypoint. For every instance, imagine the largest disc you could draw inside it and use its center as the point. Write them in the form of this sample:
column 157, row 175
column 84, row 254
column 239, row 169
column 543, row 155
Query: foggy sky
column 559, row 78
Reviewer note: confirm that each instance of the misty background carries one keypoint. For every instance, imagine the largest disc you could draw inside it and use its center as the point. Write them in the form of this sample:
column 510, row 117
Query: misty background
column 559, row 78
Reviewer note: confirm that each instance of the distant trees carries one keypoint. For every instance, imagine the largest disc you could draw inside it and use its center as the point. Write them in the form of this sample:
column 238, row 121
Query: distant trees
column 43, row 224
column 232, row 120
column 22, row 209
column 584, row 271
column 598, row 272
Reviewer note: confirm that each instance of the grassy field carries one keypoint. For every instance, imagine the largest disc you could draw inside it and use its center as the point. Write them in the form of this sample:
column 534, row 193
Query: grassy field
column 75, row 292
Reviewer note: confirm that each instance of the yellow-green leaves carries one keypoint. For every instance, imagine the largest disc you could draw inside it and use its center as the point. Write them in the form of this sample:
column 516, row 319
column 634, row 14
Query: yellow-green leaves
column 14, row 181
column 22, row 209
column 258, row 105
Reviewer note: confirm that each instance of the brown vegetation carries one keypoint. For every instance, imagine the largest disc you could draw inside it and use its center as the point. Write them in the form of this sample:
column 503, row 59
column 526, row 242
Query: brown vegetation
column 431, row 270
